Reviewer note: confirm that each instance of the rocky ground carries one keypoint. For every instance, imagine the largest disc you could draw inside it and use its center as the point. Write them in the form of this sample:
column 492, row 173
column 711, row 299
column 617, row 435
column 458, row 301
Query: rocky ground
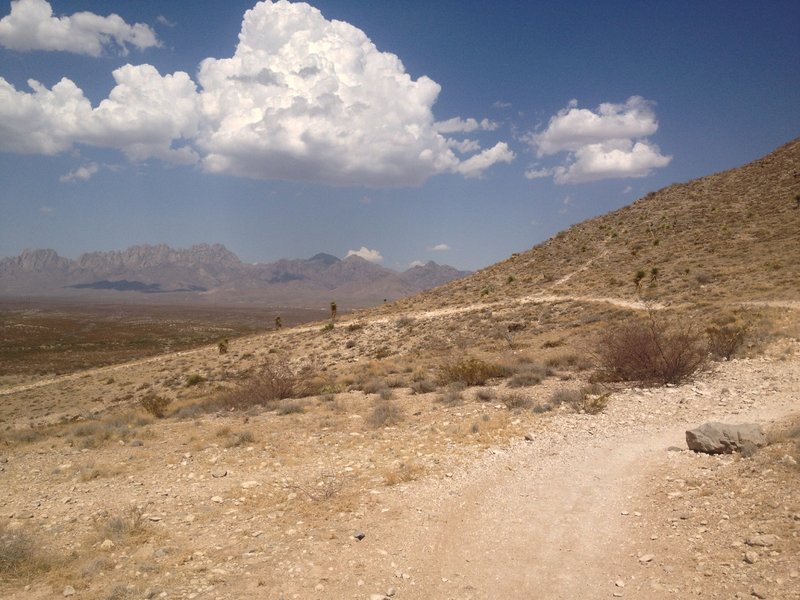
column 451, row 501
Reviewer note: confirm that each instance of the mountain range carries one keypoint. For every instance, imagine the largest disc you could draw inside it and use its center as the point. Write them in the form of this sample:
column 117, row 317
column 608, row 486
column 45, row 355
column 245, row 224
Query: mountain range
column 212, row 272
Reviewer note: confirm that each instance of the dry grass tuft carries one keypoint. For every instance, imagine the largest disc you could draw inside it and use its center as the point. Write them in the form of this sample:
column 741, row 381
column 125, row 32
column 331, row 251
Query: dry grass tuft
column 21, row 556
column 385, row 414
column 471, row 371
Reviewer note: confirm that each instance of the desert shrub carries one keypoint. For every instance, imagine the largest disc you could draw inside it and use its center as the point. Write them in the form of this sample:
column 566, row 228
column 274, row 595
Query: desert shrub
column 404, row 321
column 485, row 394
column 385, row 394
column 452, row 395
column 20, row 555
column 155, row 405
column 528, row 375
column 129, row 524
column 287, row 407
column 650, row 353
column 725, row 340
column 515, row 400
column 384, row 414
column 588, row 399
column 222, row 346
column 234, row 440
column 471, row 371
column 423, row 386
column 568, row 360
column 327, row 327
column 194, row 379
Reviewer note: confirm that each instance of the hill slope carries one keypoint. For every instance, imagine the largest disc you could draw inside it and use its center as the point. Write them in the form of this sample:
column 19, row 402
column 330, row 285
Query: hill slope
column 734, row 235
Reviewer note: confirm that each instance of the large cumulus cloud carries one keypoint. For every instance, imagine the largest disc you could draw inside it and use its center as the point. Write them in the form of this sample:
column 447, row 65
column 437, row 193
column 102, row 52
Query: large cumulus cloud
column 302, row 98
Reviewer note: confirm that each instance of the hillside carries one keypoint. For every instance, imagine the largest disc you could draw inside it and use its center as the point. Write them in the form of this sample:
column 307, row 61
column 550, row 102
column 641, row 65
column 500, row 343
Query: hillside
column 730, row 236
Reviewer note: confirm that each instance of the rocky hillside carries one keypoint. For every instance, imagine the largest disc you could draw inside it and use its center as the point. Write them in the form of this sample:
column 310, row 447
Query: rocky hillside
column 734, row 235
column 214, row 272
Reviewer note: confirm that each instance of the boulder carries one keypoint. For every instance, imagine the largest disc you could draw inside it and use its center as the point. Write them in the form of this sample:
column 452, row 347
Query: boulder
column 722, row 438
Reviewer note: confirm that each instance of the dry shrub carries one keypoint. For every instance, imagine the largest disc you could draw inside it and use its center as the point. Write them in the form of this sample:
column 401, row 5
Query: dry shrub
column 588, row 399
column 725, row 340
column 452, row 396
column 385, row 414
column 650, row 353
column 516, row 401
column 568, row 360
column 471, row 371
column 20, row 555
column 289, row 407
column 528, row 375
column 423, row 386
column 276, row 380
column 404, row 472
column 155, row 405
column 130, row 524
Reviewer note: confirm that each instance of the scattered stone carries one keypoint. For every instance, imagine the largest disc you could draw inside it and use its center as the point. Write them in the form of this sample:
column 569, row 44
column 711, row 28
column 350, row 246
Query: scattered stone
column 762, row 540
column 219, row 472
column 751, row 557
column 359, row 535
column 136, row 443
column 249, row 485
column 646, row 558
column 619, row 583
column 722, row 438
column 529, row 437
column 217, row 499
column 391, row 592
column 68, row 591
column 758, row 592
column 107, row 545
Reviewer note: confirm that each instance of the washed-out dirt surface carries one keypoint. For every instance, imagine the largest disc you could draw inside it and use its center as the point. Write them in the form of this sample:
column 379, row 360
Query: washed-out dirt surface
column 452, row 502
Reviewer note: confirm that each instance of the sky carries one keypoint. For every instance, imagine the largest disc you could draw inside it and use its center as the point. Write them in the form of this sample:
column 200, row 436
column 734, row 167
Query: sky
column 455, row 131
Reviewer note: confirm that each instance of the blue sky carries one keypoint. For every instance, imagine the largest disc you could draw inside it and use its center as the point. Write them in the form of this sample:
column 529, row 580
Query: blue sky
column 455, row 131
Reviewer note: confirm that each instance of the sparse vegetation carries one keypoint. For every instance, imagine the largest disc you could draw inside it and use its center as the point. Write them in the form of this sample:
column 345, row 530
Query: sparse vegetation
column 516, row 401
column 384, row 414
column 588, row 399
column 155, row 405
column 649, row 352
column 21, row 555
column 471, row 371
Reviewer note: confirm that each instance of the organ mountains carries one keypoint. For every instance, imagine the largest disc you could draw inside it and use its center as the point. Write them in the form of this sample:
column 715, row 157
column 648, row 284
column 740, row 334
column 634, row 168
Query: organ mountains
column 213, row 273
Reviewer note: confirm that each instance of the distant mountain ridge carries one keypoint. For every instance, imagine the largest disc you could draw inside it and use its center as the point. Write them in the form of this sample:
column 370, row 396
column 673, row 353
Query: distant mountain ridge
column 212, row 272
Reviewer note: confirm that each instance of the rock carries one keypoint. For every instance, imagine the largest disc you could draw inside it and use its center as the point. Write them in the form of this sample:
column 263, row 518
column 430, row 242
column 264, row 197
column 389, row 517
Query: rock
column 722, row 438
column 136, row 443
column 359, row 535
column 619, row 583
column 377, row 597
column 758, row 591
column 646, row 558
column 68, row 591
column 391, row 592
column 751, row 557
column 250, row 484
column 529, row 437
column 762, row 540
column 219, row 472
column 107, row 545
column 217, row 499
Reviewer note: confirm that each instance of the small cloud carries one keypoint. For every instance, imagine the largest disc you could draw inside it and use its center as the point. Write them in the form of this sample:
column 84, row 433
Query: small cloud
column 164, row 21
column 500, row 104
column 463, row 146
column 47, row 210
column 459, row 125
column 416, row 263
column 365, row 200
column 607, row 143
column 537, row 173
column 83, row 173
column 372, row 256
column 628, row 189
column 475, row 165
column 441, row 248
column 32, row 26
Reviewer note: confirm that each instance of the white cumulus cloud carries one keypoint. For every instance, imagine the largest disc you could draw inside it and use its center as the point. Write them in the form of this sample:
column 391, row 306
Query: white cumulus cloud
column 146, row 115
column 372, row 256
column 416, row 263
column 82, row 173
column 32, row 26
column 441, row 248
column 302, row 98
column 475, row 165
column 603, row 144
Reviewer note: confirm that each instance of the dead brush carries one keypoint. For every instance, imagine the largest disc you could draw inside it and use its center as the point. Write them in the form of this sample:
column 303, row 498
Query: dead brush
column 21, row 556
column 471, row 371
column 650, row 352
column 127, row 525
column 385, row 413
column 588, row 399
